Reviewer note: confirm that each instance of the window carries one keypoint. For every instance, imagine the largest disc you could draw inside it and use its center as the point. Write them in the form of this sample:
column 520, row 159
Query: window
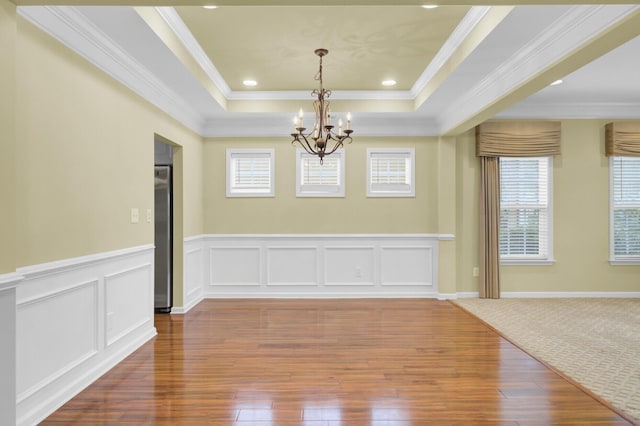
column 390, row 172
column 316, row 180
column 625, row 209
column 250, row 173
column 525, row 209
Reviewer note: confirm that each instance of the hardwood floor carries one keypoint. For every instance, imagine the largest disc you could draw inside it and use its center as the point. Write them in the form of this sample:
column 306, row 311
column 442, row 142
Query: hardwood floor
column 330, row 362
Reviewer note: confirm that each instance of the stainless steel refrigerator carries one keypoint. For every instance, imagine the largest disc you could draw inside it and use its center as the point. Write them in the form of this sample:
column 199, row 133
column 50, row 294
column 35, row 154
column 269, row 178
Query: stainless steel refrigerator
column 163, row 239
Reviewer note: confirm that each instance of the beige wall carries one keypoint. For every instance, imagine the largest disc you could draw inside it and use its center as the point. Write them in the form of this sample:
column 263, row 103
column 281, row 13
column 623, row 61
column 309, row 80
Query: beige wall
column 467, row 190
column 353, row 214
column 86, row 151
column 581, row 219
column 85, row 156
column 7, row 136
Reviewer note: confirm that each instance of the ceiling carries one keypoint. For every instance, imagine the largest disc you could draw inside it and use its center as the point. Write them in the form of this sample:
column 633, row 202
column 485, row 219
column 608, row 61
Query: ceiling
column 455, row 66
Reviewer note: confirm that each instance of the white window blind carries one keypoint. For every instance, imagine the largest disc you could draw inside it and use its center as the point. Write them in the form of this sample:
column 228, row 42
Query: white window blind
column 390, row 172
column 320, row 180
column 625, row 207
column 249, row 173
column 525, row 216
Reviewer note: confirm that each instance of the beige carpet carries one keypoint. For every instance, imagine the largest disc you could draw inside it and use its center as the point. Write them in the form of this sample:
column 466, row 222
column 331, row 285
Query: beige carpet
column 596, row 342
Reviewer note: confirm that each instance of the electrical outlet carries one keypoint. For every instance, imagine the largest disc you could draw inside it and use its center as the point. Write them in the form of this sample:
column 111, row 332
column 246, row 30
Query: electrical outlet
column 476, row 271
column 358, row 272
column 135, row 215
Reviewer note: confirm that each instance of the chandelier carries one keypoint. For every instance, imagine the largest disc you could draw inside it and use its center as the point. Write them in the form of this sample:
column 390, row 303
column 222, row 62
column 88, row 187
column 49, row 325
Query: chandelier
column 322, row 139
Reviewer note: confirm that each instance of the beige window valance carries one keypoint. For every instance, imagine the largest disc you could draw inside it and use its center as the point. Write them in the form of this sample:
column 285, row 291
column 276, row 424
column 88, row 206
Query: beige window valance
column 518, row 139
column 622, row 138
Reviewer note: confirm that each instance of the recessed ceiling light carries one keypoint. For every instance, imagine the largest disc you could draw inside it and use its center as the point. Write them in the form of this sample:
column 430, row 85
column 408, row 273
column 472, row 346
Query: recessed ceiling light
column 250, row 83
column 389, row 83
column 555, row 83
column 429, row 6
column 210, row 6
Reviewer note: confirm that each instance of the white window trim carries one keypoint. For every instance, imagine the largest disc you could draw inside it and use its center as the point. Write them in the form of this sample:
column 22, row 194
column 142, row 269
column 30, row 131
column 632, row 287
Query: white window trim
column 539, row 261
column 407, row 151
column 613, row 259
column 320, row 190
column 270, row 153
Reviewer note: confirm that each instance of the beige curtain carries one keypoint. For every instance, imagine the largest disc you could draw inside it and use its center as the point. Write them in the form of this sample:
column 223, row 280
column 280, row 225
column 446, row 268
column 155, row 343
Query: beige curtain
column 504, row 139
column 489, row 227
column 518, row 139
column 622, row 138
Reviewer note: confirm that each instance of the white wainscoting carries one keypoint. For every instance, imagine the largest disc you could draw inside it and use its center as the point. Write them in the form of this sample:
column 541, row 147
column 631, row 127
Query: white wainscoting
column 343, row 265
column 76, row 319
column 193, row 287
column 8, row 284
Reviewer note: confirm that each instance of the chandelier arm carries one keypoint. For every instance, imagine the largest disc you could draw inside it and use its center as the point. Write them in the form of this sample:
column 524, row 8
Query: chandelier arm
column 335, row 147
column 306, row 145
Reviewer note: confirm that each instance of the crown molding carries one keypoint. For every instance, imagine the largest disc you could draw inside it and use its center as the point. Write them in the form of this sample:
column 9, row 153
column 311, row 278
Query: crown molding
column 465, row 27
column 572, row 110
column 180, row 29
column 570, row 31
column 73, row 29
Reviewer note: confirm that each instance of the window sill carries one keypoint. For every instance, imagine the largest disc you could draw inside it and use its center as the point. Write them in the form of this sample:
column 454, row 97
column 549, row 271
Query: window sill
column 622, row 262
column 527, row 262
column 391, row 195
column 320, row 194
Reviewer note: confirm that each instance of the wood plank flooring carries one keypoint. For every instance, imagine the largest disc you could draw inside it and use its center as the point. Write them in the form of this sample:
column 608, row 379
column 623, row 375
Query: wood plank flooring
column 327, row 363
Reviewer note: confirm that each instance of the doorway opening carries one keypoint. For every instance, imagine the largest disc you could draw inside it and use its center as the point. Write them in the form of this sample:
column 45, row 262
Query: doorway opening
column 163, row 227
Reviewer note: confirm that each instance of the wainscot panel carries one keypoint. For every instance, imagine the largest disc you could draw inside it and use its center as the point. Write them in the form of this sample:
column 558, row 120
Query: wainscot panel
column 193, row 273
column 320, row 265
column 76, row 319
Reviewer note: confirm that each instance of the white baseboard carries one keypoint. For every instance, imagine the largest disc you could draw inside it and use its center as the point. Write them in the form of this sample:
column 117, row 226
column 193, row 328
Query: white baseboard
column 569, row 294
column 319, row 295
column 447, row 296
column 193, row 301
column 104, row 300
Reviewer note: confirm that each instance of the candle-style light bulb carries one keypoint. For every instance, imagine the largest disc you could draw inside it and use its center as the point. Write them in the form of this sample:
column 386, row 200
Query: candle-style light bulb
column 300, row 114
column 295, row 124
column 340, row 127
column 348, row 121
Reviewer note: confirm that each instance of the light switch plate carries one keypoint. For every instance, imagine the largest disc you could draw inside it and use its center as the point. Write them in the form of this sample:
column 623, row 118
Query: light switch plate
column 135, row 215
column 149, row 216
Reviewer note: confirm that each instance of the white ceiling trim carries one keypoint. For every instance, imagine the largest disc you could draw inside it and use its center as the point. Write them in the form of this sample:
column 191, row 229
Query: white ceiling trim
column 566, row 34
column 74, row 30
column 460, row 34
column 280, row 125
column 573, row 110
column 190, row 43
